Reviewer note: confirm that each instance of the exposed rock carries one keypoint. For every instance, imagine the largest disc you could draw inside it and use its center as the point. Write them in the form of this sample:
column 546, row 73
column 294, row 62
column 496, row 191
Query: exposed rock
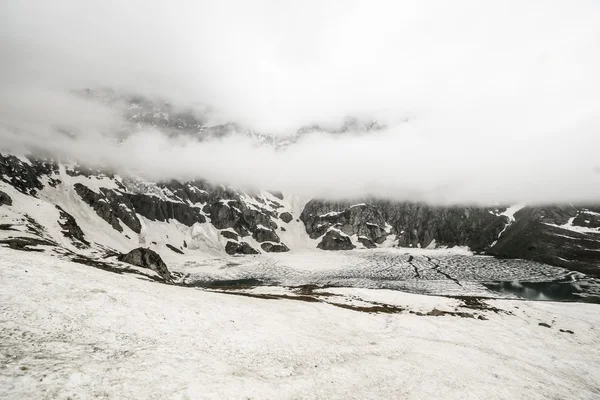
column 26, row 176
column 230, row 235
column 156, row 209
column 239, row 248
column 265, row 235
column 147, row 258
column 361, row 219
column 419, row 224
column 235, row 214
column 71, row 229
column 535, row 236
column 286, row 217
column 24, row 243
column 175, row 249
column 415, row 225
column 111, row 206
column 5, row 199
column 333, row 240
column 366, row 242
column 223, row 214
column 274, row 247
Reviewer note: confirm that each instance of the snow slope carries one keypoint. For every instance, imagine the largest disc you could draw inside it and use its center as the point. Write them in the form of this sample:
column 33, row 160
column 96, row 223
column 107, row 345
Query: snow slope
column 72, row 331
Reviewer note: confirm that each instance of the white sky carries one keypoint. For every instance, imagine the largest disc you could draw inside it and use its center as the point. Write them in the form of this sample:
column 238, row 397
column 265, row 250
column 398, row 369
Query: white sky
column 502, row 98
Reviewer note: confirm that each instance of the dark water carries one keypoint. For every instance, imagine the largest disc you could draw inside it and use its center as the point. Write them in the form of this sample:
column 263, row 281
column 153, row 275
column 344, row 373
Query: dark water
column 247, row 283
column 548, row 291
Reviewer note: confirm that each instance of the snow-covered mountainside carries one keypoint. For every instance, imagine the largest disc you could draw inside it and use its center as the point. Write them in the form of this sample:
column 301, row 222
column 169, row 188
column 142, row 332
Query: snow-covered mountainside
column 567, row 236
column 98, row 212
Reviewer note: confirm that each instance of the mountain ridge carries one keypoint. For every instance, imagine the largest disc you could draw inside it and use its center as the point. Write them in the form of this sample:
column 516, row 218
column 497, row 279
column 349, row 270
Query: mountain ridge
column 197, row 215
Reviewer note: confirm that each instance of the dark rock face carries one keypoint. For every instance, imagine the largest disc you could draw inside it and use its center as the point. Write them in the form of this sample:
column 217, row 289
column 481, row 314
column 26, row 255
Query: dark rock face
column 71, row 230
column 156, row 209
column 146, row 258
column 174, row 249
column 419, row 224
column 188, row 202
column 413, row 224
column 333, row 240
column 265, row 235
column 362, row 220
column 239, row 248
column 534, row 236
column 589, row 217
column 286, row 217
column 244, row 220
column 110, row 206
column 274, row 247
column 26, row 177
column 366, row 242
column 229, row 235
column 5, row 199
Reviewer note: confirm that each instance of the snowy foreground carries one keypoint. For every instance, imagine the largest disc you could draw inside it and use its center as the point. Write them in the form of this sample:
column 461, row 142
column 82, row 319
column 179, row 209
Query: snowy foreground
column 72, row 331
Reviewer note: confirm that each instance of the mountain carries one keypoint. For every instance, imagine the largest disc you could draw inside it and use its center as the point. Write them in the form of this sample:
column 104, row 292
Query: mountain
column 93, row 212
column 66, row 205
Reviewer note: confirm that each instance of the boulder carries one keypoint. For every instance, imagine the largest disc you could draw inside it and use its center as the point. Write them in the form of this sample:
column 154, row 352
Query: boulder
column 265, row 235
column 239, row 248
column 274, row 247
column 5, row 199
column 147, row 258
column 286, row 217
column 334, row 240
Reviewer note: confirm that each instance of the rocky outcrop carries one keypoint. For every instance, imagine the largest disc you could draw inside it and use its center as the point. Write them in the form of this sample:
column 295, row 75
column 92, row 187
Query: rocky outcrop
column 366, row 242
column 230, row 235
column 147, row 258
column 156, row 209
column 71, row 229
column 111, row 206
column 262, row 234
column 5, row 199
column 362, row 220
column 286, row 217
column 410, row 224
column 274, row 247
column 239, row 248
column 174, row 249
column 26, row 176
column 334, row 240
column 235, row 214
column 551, row 235
column 417, row 225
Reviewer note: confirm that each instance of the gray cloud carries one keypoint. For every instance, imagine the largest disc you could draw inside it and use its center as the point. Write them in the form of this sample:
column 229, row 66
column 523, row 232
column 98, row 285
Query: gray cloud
column 484, row 102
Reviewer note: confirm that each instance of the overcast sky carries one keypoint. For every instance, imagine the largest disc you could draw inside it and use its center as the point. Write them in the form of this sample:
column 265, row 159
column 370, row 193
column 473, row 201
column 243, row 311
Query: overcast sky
column 484, row 101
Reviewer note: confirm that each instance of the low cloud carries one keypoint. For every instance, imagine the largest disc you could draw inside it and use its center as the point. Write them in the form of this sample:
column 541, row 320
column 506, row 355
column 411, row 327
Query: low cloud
column 482, row 102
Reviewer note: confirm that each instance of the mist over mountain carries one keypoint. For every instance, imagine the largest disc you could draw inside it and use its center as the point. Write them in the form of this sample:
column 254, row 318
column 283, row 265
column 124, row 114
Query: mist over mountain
column 446, row 104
